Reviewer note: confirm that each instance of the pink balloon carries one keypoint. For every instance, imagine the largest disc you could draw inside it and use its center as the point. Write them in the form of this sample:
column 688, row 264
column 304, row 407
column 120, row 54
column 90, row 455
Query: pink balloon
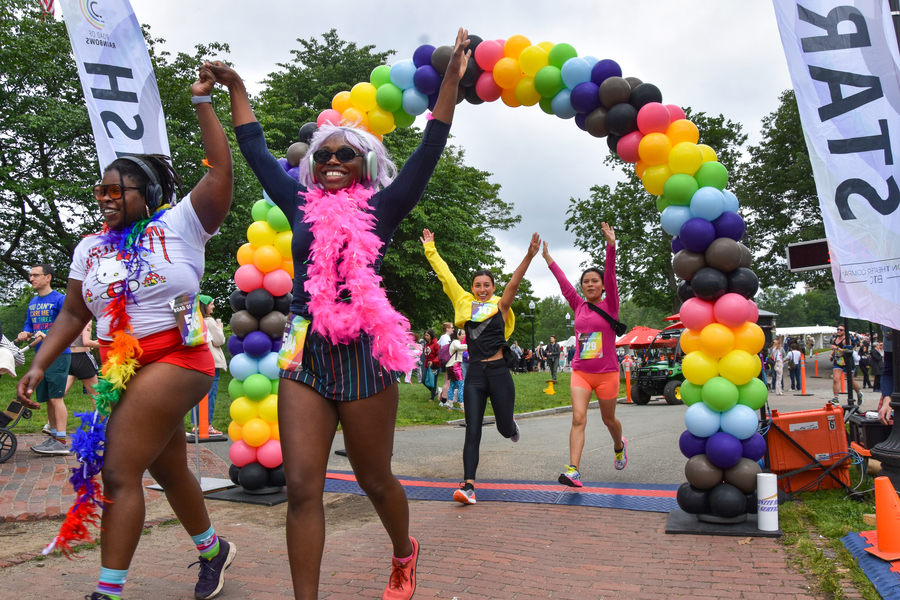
column 753, row 315
column 675, row 112
column 241, row 453
column 269, row 454
column 488, row 53
column 329, row 115
column 248, row 278
column 628, row 147
column 486, row 88
column 697, row 314
column 732, row 310
column 277, row 282
column 653, row 118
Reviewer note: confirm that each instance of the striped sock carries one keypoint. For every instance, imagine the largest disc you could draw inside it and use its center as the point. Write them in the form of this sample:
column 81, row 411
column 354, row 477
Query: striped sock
column 111, row 582
column 207, row 543
column 53, row 432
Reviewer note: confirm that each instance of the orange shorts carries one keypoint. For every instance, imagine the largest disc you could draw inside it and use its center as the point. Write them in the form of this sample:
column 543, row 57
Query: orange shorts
column 605, row 385
column 167, row 347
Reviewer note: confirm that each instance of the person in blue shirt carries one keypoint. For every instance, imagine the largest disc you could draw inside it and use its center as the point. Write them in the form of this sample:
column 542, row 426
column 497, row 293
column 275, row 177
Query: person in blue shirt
column 42, row 311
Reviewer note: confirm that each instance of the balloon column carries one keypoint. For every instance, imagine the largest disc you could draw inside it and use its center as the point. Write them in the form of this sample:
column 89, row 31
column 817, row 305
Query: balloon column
column 261, row 303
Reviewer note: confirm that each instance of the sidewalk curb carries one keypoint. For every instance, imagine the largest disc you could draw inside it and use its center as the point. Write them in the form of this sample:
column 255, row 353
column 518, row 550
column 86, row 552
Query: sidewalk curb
column 537, row 413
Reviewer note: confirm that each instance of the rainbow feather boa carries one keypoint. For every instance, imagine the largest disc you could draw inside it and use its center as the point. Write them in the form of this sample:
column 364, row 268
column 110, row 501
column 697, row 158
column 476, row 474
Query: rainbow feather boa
column 346, row 295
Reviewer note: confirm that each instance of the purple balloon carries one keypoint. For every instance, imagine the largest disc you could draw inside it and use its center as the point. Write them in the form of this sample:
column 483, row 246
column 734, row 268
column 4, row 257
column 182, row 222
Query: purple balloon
column 677, row 245
column 257, row 344
column 585, row 97
column 235, row 345
column 724, row 450
column 427, row 80
column 754, row 447
column 581, row 121
column 422, row 55
column 294, row 172
column 432, row 100
column 284, row 164
column 603, row 70
column 691, row 445
column 276, row 345
column 697, row 234
column 730, row 225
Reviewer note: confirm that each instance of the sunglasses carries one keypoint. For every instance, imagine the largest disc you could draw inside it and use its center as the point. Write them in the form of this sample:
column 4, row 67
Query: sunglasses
column 113, row 190
column 344, row 155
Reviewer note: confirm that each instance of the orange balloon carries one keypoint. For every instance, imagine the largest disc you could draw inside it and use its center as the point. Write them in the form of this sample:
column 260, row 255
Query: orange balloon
column 507, row 73
column 256, row 432
column 273, row 428
column 690, row 341
column 234, row 431
column 639, row 168
column 354, row 118
column 514, row 46
column 267, row 258
column 749, row 337
column 288, row 266
column 683, row 130
column 717, row 340
column 341, row 102
column 654, row 149
column 509, row 98
column 245, row 254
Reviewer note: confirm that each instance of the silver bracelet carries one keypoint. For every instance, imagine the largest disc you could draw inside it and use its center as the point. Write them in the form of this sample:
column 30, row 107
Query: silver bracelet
column 201, row 99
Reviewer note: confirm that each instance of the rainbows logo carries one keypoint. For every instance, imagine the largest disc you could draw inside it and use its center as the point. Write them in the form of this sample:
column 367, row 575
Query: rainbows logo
column 89, row 10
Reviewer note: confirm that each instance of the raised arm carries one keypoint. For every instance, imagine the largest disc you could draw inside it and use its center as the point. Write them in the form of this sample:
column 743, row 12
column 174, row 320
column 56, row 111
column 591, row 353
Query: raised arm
column 609, row 274
column 567, row 289
column 509, row 293
column 451, row 286
column 459, row 60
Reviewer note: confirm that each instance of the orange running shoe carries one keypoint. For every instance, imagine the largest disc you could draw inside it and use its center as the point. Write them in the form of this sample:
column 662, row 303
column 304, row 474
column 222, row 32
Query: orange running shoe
column 402, row 583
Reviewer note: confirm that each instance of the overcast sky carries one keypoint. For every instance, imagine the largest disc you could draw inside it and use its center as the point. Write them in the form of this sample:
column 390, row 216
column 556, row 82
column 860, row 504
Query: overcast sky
column 716, row 56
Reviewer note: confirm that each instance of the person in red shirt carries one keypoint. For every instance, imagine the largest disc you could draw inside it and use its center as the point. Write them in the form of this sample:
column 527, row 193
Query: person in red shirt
column 430, row 360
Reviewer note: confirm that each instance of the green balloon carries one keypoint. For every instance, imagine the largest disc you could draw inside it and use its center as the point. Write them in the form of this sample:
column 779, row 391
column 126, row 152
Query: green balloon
column 389, row 97
column 277, row 219
column 560, row 53
column 679, row 189
column 257, row 387
column 712, row 174
column 275, row 387
column 260, row 210
column 718, row 394
column 545, row 104
column 691, row 393
column 662, row 202
column 403, row 119
column 236, row 388
column 753, row 394
column 548, row 81
column 380, row 75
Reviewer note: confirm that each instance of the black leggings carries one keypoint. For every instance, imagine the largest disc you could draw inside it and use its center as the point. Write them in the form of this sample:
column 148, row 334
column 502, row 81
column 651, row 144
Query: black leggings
column 486, row 379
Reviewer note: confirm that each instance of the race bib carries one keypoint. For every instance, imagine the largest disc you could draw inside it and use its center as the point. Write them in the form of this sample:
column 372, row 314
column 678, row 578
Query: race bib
column 290, row 357
column 482, row 311
column 189, row 320
column 591, row 345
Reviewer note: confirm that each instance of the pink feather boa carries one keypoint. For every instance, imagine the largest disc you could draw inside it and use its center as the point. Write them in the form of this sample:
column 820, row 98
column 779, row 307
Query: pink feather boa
column 341, row 256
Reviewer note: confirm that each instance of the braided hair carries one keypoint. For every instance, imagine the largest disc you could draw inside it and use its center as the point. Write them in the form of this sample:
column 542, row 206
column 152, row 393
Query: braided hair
column 167, row 177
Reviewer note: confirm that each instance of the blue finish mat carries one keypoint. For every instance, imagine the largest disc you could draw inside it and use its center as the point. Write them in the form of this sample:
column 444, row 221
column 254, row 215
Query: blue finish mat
column 879, row 572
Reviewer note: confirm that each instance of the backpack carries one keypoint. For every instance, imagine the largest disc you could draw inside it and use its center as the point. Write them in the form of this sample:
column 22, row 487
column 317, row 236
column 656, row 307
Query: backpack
column 444, row 355
column 791, row 364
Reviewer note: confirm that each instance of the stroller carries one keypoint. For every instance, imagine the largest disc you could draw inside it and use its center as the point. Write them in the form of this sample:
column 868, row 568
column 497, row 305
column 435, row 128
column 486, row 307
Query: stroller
column 10, row 358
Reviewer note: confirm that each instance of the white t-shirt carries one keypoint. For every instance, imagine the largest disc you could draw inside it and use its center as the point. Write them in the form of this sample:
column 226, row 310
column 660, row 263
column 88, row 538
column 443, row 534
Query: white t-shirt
column 444, row 340
column 175, row 250
column 796, row 356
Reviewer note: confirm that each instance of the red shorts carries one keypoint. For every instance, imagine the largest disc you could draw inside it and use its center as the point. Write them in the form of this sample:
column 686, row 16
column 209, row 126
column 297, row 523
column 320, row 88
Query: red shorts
column 167, row 347
column 605, row 385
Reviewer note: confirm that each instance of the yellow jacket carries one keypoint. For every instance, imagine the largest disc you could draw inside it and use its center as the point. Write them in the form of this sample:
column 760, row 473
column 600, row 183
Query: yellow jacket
column 462, row 300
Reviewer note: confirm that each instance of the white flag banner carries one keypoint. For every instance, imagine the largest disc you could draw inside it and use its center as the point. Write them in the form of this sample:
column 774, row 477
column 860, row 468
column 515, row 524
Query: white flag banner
column 117, row 77
column 843, row 60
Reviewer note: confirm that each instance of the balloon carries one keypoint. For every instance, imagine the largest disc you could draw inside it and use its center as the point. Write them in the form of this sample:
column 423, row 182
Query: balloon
column 283, row 243
column 717, row 340
column 683, row 131
column 755, row 445
column 380, row 121
column 546, row 105
column 707, row 203
column 414, row 102
column 269, row 454
column 260, row 233
column 402, row 74
column 691, row 500
column 235, row 386
column 259, row 303
column 507, row 73
column 561, row 105
column 440, row 58
column 628, row 145
column 260, row 210
column 690, row 393
column 604, row 69
column 652, row 118
column 268, row 407
column 294, row 172
column 731, row 201
column 661, row 204
column 730, row 225
column 709, row 284
column 654, row 147
column 585, row 97
column 613, row 91
column 743, row 475
column 690, row 342
column 724, row 254
column 326, row 116
column 256, row 432
column 560, row 53
column 267, row 258
column 675, row 112
column 732, row 310
column 242, row 410
column 712, row 174
column 273, row 324
column 685, row 291
column 256, row 345
column 362, row 96
column 245, row 254
column 341, row 102
column 685, row 158
column 741, row 421
column 240, row 454
column 427, row 80
column 749, row 337
column 514, row 46
column 283, row 303
column 486, row 88
column 276, row 476
column 234, row 431
column 708, row 153
column 389, row 97
column 403, row 119
column 257, row 386
column 611, row 142
column 533, row 59
column 473, row 72
column 723, row 450
column 421, row 57
column 687, row 263
column 525, row 92
column 700, row 472
column 622, row 119
column 237, row 300
column 252, row 476
column 698, row 368
column 268, row 364
column 696, row 233
column 754, row 312
column 744, row 282
column 720, row 395
column 596, row 122
column 548, row 81
column 574, row 71
column 644, row 94
column 680, row 188
column 509, row 98
column 580, row 119
column 691, row 445
column 697, row 314
column 242, row 323
column 654, row 181
column 739, row 367
column 288, row 267
column 727, row 501
column 753, row 394
column 487, row 54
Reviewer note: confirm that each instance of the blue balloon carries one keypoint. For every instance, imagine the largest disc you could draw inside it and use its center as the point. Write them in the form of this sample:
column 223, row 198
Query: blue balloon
column 574, row 71
column 592, row 60
column 268, row 365
column 673, row 217
column 585, row 97
column 731, row 201
column 562, row 105
column 740, row 421
column 581, row 121
column 427, row 80
column 707, row 203
column 235, row 345
column 268, row 200
column 724, row 450
column 402, row 74
column 422, row 55
column 604, row 69
column 284, row 164
column 414, row 101
column 242, row 366
column 701, row 420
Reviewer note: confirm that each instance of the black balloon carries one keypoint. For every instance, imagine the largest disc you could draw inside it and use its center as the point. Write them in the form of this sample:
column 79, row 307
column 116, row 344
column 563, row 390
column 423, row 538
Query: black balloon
column 471, row 95
column 685, row 291
column 752, row 503
column 276, row 477
column 283, row 303
column 612, row 141
column 233, row 472
column 440, row 58
column 474, row 40
column 307, row 131
column 595, row 122
column 621, row 119
column 643, row 94
column 237, row 300
column 252, row 476
column 260, row 303
column 709, row 284
column 743, row 281
column 692, row 500
column 473, row 72
column 727, row 501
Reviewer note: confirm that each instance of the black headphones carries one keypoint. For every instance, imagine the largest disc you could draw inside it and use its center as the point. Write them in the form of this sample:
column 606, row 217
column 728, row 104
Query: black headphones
column 369, row 169
column 153, row 192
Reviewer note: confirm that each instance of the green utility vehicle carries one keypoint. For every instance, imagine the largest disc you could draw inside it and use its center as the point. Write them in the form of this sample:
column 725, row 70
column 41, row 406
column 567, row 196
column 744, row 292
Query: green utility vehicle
column 657, row 372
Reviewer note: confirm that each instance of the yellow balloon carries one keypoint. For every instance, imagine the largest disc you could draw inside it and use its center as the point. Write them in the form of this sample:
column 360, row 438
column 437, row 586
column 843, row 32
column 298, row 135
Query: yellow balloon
column 507, row 73
column 341, row 101
column 717, row 340
column 739, row 366
column 268, row 409
column 654, row 149
column 683, row 130
column 267, row 258
column 362, row 96
column 242, row 410
column 380, row 121
column 234, row 431
column 256, row 432
column 690, row 341
column 749, row 337
column 698, row 367
column 514, row 45
column 245, row 254
column 353, row 117
column 546, row 46
column 708, row 153
column 276, row 435
column 509, row 98
column 533, row 59
column 288, row 267
column 261, row 234
column 283, row 243
column 685, row 158
column 655, row 178
column 525, row 92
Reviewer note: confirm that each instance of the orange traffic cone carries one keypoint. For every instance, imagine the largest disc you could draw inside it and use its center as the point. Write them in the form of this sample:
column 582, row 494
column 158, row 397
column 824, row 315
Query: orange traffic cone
column 886, row 542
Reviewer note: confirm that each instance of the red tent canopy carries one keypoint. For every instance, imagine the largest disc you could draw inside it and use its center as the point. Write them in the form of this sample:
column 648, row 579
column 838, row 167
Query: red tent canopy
column 640, row 337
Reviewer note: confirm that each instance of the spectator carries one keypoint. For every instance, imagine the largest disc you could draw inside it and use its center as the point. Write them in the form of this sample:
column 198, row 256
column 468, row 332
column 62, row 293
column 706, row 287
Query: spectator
column 864, row 364
column 778, row 357
column 794, row 359
column 838, row 341
column 216, row 340
column 83, row 367
column 876, row 359
column 455, row 371
column 553, row 351
column 430, row 362
column 444, row 340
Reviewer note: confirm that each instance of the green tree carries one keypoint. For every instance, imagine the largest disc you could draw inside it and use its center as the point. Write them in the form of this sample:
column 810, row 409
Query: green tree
column 634, row 315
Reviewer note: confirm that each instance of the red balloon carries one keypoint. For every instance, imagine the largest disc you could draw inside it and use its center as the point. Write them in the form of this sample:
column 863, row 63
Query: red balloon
column 329, row 115
column 486, row 88
column 488, row 53
column 732, row 310
column 241, row 453
column 675, row 112
column 277, row 282
column 653, row 118
column 697, row 314
column 628, row 147
column 269, row 454
column 753, row 315
column 249, row 278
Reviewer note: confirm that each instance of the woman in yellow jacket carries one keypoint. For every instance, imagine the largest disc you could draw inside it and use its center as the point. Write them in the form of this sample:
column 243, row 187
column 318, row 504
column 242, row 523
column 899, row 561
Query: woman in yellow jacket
column 488, row 322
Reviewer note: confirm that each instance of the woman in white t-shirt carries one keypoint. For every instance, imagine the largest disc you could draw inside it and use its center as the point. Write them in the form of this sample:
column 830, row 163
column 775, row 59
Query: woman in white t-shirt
column 155, row 370
column 777, row 354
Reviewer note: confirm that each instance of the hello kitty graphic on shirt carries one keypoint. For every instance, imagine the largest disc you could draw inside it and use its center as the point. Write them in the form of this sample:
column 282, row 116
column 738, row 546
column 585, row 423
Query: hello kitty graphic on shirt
column 113, row 273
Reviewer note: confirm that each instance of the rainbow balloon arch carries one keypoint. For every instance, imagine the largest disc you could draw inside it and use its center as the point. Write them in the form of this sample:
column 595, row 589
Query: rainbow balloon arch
column 722, row 340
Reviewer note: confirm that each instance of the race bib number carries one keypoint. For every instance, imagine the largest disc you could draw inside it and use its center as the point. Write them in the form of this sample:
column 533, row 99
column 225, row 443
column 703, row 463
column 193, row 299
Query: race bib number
column 482, row 311
column 189, row 320
column 591, row 345
column 290, row 357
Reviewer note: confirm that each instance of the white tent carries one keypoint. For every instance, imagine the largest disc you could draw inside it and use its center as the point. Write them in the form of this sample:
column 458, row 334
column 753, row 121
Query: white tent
column 821, row 334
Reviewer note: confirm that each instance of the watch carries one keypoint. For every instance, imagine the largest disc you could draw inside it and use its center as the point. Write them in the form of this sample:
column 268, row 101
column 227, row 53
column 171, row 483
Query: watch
column 201, row 99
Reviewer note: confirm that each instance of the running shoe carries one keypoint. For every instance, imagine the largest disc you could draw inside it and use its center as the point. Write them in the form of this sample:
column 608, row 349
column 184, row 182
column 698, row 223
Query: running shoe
column 515, row 438
column 571, row 477
column 444, row 405
column 97, row 596
column 37, row 447
column 622, row 457
column 212, row 571
column 402, row 583
column 46, row 429
column 51, row 446
column 859, row 398
column 464, row 496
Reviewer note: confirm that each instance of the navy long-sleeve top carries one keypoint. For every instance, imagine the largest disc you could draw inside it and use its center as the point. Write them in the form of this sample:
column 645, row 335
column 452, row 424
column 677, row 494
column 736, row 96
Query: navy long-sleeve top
column 390, row 205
